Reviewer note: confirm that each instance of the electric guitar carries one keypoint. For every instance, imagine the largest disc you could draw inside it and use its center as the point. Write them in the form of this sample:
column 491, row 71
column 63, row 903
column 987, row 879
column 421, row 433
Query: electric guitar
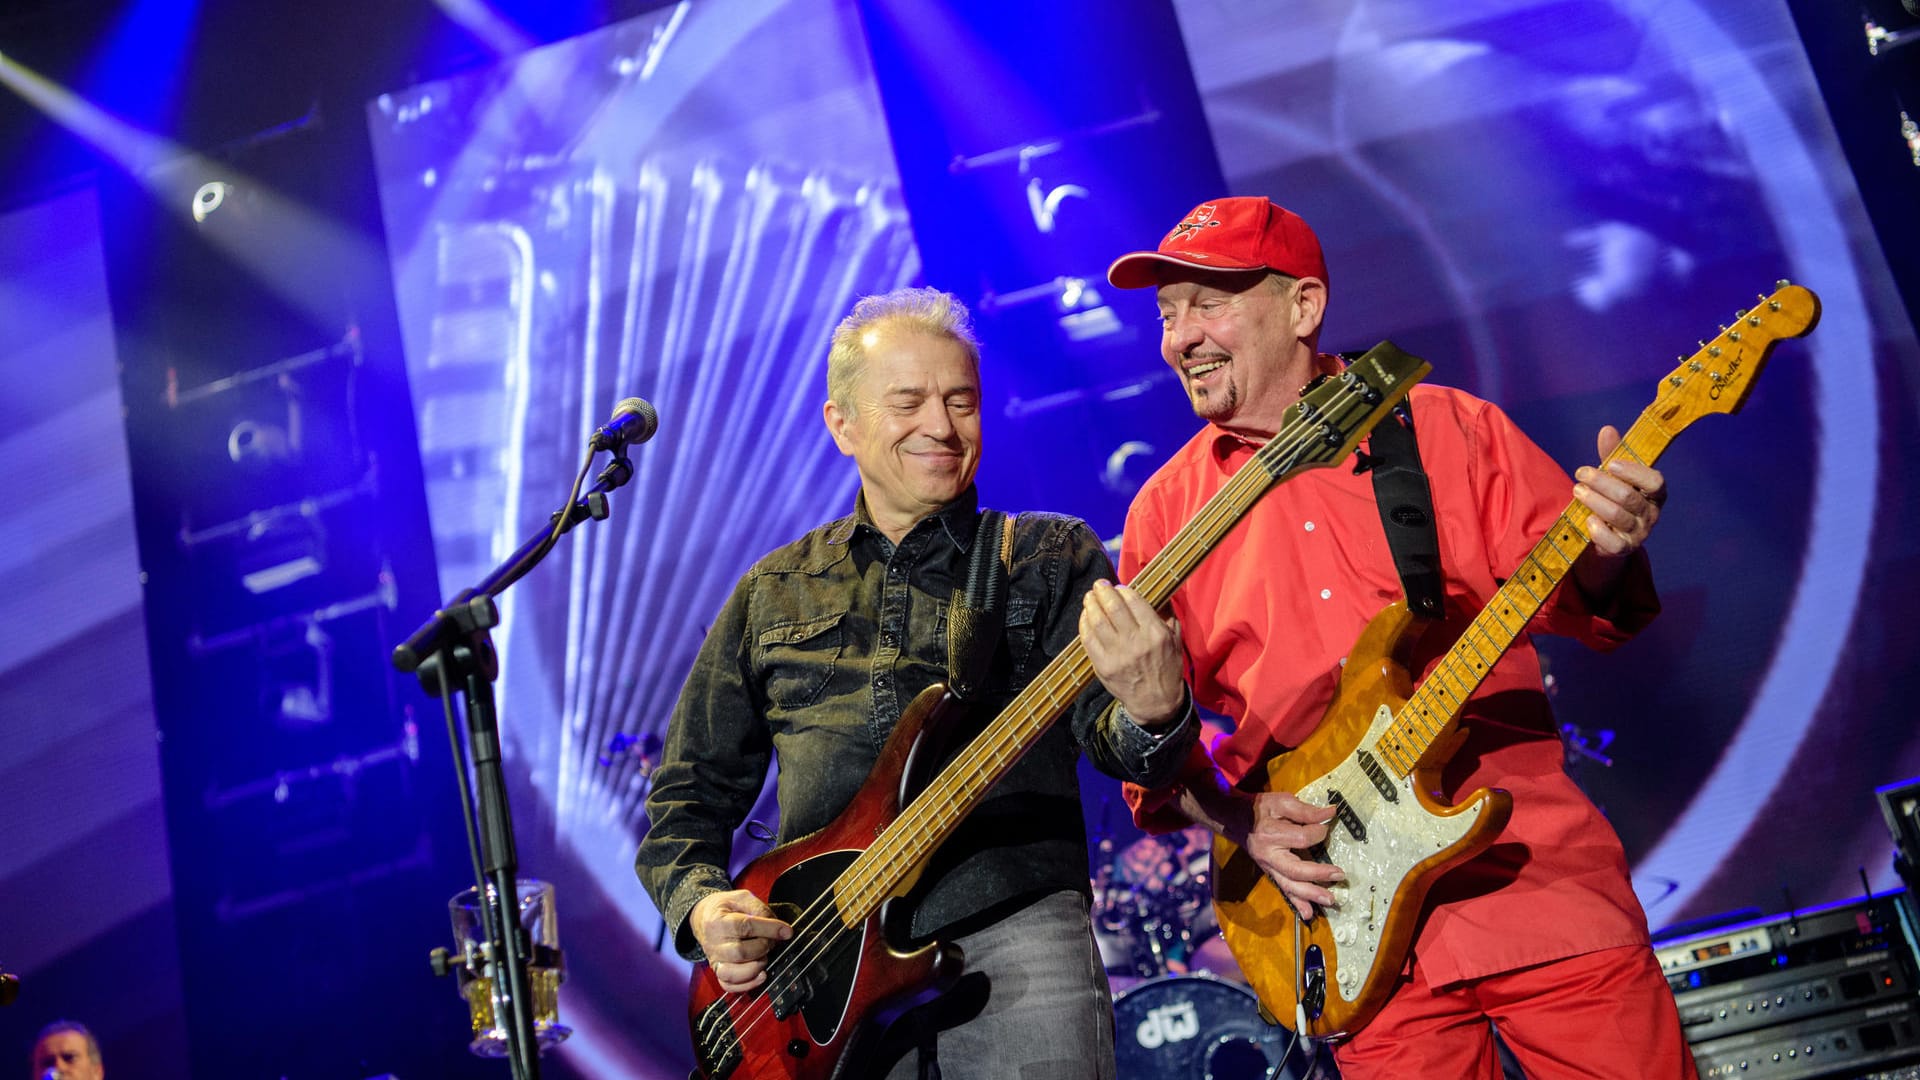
column 1377, row 755
column 835, row 886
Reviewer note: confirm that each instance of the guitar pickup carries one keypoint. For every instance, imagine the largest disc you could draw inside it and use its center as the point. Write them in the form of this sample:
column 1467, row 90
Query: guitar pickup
column 788, row 995
column 1381, row 782
column 1346, row 817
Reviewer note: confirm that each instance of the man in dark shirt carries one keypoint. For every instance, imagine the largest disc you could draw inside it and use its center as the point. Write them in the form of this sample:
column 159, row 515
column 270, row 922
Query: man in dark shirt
column 825, row 641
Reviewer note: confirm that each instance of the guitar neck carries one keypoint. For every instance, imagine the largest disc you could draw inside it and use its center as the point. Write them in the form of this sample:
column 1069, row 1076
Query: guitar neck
column 924, row 825
column 1435, row 707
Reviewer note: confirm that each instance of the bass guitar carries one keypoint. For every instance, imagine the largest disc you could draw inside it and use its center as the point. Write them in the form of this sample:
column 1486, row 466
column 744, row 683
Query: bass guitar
column 834, row 887
column 1377, row 755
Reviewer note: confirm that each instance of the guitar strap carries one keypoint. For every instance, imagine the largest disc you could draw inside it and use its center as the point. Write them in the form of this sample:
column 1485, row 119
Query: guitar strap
column 978, row 614
column 1405, row 500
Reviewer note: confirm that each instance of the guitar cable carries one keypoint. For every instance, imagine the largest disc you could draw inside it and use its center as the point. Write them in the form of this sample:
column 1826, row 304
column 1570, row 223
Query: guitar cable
column 1299, row 987
column 1299, row 976
column 1300, row 1036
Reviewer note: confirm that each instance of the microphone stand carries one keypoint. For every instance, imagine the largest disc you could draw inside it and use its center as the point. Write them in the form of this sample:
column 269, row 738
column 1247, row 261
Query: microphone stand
column 455, row 645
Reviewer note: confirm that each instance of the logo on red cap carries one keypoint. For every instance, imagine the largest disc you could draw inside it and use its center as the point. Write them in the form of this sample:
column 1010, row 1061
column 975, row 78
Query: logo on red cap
column 1202, row 217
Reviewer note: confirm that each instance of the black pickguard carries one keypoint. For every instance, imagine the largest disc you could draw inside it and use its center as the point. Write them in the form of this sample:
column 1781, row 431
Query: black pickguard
column 821, row 990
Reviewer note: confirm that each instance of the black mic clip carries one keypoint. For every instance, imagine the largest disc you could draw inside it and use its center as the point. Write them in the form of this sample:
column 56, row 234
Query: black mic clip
column 616, row 474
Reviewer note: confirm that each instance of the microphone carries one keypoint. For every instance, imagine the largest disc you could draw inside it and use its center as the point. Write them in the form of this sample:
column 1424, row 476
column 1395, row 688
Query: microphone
column 633, row 423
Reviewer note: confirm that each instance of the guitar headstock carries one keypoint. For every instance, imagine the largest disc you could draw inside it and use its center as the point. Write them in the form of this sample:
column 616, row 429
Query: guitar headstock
column 1331, row 418
column 1719, row 376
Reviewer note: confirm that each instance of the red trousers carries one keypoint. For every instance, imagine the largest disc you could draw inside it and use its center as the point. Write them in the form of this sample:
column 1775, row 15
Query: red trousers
column 1607, row 1014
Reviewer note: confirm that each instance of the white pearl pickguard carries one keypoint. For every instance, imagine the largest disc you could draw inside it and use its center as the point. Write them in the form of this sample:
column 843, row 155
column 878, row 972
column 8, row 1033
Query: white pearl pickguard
column 1400, row 833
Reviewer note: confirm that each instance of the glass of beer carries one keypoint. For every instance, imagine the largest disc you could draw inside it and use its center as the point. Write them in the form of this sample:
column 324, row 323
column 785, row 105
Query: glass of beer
column 485, row 992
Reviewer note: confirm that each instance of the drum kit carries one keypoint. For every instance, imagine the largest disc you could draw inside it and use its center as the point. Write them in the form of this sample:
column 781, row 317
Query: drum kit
column 1181, row 1010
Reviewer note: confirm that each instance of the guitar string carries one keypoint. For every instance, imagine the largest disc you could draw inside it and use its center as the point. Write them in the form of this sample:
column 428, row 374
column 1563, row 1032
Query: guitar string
column 1416, row 726
column 1647, row 430
column 1347, row 396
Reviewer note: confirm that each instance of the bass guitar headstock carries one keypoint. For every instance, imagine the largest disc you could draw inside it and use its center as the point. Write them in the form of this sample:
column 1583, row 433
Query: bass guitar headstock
column 1338, row 411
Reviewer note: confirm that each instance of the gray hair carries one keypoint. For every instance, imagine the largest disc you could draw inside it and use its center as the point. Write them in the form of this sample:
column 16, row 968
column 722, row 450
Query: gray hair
column 930, row 311
column 59, row 1027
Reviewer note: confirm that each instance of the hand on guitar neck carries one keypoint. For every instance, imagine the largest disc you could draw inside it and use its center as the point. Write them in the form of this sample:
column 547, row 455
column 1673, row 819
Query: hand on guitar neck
column 1135, row 654
column 1279, row 830
column 737, row 931
column 1625, row 496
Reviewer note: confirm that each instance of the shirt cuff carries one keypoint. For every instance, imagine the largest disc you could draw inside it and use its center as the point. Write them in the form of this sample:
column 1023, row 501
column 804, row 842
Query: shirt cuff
column 1156, row 755
column 696, row 885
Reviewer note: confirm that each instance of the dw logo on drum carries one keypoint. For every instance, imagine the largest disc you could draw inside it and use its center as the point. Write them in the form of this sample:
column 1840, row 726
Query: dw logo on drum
column 1168, row 1024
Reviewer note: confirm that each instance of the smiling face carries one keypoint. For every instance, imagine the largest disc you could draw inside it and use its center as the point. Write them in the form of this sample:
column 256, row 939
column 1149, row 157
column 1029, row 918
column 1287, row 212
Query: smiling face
column 1242, row 344
column 911, row 424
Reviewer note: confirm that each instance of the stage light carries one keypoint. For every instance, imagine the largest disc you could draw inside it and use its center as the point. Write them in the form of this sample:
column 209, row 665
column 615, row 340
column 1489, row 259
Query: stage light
column 1084, row 314
column 1881, row 40
column 170, row 172
column 1093, row 323
column 253, row 442
column 208, row 198
column 279, row 551
column 300, row 674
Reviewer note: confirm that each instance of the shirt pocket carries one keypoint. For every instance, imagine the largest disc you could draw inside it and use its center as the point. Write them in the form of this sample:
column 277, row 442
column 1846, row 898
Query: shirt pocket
column 1022, row 633
column 796, row 658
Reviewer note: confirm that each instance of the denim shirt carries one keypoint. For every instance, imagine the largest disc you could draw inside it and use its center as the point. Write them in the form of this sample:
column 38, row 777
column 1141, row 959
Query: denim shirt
column 816, row 654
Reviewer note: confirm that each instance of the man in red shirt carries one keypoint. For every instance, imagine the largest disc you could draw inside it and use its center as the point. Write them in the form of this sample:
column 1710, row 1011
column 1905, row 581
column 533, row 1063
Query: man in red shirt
column 1540, row 935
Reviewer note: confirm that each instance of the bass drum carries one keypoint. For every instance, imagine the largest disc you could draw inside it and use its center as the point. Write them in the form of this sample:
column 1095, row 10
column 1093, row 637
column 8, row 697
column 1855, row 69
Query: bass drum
column 1198, row 1028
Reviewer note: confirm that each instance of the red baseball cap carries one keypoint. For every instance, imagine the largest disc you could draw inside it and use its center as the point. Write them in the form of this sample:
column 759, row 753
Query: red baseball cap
column 1243, row 233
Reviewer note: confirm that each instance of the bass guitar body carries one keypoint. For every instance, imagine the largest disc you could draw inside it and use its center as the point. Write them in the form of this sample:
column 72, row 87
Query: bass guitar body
column 810, row 1018
column 1392, row 836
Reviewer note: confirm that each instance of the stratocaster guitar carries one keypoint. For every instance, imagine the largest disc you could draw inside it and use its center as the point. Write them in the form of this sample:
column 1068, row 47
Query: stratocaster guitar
column 838, row 969
column 1378, row 753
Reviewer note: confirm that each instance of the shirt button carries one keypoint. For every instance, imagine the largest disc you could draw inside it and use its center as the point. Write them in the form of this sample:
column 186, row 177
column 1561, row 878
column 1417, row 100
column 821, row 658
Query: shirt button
column 1309, row 526
column 1326, row 594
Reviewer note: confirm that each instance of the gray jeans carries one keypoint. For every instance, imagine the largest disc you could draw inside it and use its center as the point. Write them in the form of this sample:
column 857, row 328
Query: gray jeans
column 1033, row 1005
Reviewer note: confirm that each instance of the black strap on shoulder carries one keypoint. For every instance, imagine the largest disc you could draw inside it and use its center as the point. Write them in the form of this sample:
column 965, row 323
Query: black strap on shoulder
column 978, row 613
column 1405, row 499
